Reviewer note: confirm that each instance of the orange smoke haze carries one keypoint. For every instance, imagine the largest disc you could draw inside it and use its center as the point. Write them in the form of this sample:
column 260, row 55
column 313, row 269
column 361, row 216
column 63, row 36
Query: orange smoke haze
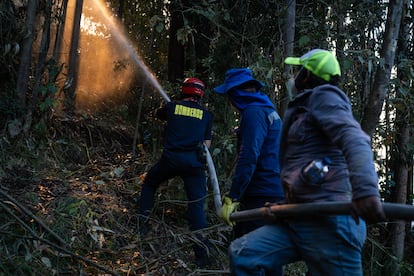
column 105, row 71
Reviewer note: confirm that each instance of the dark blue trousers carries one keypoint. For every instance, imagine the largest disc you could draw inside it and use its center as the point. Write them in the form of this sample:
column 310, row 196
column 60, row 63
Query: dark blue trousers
column 192, row 171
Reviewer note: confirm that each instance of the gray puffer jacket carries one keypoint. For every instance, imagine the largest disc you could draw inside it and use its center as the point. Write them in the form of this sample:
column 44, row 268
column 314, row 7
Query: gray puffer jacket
column 319, row 123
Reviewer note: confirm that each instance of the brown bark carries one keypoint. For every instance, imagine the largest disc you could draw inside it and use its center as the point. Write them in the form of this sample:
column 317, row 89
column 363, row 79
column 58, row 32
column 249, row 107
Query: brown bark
column 73, row 59
column 60, row 29
column 26, row 57
column 40, row 66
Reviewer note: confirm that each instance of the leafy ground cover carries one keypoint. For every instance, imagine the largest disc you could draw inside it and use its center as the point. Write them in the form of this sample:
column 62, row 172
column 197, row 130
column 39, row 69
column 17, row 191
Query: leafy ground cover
column 69, row 207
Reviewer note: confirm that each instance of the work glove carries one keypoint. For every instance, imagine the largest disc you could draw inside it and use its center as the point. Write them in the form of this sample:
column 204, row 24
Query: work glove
column 228, row 207
column 368, row 208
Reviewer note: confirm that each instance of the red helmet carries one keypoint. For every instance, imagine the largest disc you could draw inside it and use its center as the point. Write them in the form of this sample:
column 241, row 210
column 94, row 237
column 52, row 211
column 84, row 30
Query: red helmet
column 193, row 87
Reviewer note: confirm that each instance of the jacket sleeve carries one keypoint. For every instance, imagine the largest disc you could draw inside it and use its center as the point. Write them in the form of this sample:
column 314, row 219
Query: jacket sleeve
column 333, row 113
column 253, row 130
column 208, row 134
column 161, row 113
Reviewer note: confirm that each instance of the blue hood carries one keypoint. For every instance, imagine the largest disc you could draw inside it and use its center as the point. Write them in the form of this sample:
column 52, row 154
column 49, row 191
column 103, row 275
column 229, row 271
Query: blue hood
column 236, row 77
column 242, row 99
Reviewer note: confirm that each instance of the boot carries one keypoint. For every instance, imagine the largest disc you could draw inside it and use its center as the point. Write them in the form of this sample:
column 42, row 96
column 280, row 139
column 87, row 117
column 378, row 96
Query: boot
column 202, row 258
column 143, row 226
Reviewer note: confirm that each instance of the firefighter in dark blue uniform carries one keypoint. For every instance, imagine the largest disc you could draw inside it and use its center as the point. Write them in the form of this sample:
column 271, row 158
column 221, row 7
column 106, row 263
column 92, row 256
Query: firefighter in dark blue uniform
column 188, row 126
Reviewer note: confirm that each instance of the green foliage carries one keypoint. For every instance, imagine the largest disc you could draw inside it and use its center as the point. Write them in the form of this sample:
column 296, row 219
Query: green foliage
column 10, row 37
column 377, row 256
column 40, row 129
column 9, row 106
column 304, row 41
column 184, row 35
column 146, row 22
column 247, row 30
column 157, row 23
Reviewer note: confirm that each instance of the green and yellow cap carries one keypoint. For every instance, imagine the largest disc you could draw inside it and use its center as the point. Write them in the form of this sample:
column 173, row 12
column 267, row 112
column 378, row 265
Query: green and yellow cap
column 320, row 62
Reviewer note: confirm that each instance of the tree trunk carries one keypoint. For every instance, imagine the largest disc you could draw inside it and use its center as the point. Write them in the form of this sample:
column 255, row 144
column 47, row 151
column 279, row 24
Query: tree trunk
column 73, row 59
column 175, row 48
column 340, row 39
column 289, row 37
column 201, row 42
column 60, row 30
column 26, row 57
column 402, row 158
column 137, row 123
column 373, row 108
column 40, row 66
column 397, row 229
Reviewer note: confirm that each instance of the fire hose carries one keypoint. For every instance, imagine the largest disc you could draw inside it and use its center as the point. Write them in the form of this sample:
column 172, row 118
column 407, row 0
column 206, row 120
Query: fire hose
column 213, row 181
column 391, row 210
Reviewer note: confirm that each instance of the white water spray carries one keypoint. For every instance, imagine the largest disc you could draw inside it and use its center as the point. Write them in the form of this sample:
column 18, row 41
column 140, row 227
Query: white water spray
column 121, row 38
column 116, row 31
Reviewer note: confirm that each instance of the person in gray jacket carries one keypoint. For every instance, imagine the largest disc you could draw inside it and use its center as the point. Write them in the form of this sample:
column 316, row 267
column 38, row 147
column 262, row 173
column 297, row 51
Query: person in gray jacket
column 319, row 128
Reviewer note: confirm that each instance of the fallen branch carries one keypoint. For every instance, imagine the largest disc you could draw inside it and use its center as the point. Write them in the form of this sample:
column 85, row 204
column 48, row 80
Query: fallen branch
column 392, row 211
column 59, row 248
column 30, row 214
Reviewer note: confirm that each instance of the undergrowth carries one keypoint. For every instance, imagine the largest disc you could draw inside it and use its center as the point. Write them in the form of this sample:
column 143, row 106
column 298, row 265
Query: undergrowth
column 69, row 206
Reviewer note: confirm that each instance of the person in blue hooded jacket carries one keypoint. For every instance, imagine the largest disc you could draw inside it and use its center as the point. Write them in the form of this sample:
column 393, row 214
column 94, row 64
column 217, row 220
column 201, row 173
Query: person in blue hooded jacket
column 256, row 179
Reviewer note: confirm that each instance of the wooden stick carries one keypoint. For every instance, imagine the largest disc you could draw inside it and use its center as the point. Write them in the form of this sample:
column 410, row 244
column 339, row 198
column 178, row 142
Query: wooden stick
column 392, row 211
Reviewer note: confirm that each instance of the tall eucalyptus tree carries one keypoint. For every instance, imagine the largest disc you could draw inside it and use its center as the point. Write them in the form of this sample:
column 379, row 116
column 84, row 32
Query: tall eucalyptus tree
column 26, row 55
column 402, row 153
column 70, row 93
column 382, row 77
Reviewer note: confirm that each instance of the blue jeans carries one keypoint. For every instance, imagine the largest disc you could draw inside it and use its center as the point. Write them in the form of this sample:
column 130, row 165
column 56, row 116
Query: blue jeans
column 329, row 245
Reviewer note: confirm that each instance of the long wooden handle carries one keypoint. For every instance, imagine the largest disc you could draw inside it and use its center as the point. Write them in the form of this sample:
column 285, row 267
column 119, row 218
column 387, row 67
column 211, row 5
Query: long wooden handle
column 392, row 211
